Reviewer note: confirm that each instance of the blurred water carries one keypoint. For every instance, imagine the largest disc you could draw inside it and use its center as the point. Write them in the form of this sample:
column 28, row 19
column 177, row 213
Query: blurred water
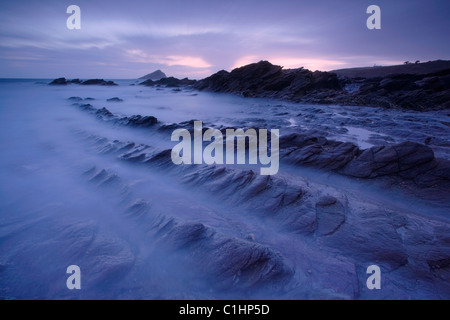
column 52, row 217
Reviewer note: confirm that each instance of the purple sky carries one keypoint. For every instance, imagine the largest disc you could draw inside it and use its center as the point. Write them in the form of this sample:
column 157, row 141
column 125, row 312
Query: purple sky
column 128, row 39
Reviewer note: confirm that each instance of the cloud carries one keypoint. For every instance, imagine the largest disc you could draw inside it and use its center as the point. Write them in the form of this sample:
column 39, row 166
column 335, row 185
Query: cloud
column 140, row 56
column 188, row 38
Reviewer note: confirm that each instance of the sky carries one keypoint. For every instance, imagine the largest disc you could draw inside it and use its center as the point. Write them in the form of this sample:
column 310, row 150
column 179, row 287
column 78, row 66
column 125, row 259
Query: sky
column 195, row 38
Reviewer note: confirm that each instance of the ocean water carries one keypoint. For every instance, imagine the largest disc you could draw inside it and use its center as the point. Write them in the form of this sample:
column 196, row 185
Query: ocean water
column 68, row 198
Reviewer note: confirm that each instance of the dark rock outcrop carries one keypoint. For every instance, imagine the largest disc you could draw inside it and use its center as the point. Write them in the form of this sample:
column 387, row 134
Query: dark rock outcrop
column 140, row 121
column 406, row 91
column 409, row 165
column 106, row 115
column 59, row 81
column 268, row 80
column 385, row 71
column 115, row 99
column 64, row 81
column 155, row 76
column 98, row 82
column 170, row 82
column 420, row 92
column 317, row 151
column 104, row 112
column 381, row 161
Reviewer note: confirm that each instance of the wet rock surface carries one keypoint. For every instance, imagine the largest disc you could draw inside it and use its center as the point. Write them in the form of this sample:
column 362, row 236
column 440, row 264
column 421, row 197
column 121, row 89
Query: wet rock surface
column 407, row 162
column 360, row 230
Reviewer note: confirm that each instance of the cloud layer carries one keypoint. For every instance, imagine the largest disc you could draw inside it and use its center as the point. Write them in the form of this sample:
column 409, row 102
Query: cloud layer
column 126, row 39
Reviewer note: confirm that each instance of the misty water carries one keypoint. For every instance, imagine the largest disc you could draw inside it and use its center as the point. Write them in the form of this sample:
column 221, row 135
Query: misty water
column 141, row 229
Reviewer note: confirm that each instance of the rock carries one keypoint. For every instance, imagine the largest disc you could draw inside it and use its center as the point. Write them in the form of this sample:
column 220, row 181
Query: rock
column 416, row 91
column 330, row 215
column 75, row 99
column 326, row 201
column 412, row 154
column 422, row 91
column 154, row 76
column 334, row 234
column 187, row 234
column 317, row 151
column 87, row 106
column 76, row 81
column 98, row 82
column 59, row 81
column 115, row 99
column 63, row 81
column 106, row 115
column 169, row 82
column 303, row 221
column 390, row 160
column 230, row 262
column 249, row 265
column 104, row 112
column 409, row 165
column 370, row 235
column 267, row 80
column 324, row 81
column 141, row 121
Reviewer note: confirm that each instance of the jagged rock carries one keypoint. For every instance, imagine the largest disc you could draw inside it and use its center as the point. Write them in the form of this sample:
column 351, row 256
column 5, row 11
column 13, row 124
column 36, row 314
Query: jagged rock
column 141, row 121
column 169, row 82
column 231, row 262
column 104, row 112
column 317, row 151
column 155, row 75
column 265, row 79
column 388, row 160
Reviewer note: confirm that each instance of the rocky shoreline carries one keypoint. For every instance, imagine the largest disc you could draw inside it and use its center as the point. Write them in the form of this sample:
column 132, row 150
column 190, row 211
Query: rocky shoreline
column 409, row 166
column 98, row 163
column 419, row 92
column 413, row 91
column 399, row 87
